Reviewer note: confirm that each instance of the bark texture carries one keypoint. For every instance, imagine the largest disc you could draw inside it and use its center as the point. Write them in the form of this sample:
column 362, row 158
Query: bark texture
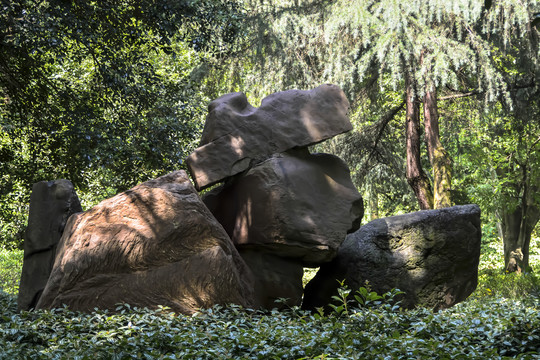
column 440, row 161
column 517, row 225
column 416, row 177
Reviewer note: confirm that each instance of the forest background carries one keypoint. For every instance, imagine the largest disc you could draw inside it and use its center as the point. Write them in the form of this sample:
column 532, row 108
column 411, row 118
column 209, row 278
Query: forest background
column 445, row 96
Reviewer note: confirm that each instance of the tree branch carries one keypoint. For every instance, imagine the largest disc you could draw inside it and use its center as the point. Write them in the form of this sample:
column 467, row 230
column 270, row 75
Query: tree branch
column 472, row 93
column 457, row 96
column 382, row 123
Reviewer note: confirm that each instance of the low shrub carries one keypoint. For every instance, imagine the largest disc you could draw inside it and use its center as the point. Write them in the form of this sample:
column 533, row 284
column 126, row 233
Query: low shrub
column 491, row 329
column 500, row 321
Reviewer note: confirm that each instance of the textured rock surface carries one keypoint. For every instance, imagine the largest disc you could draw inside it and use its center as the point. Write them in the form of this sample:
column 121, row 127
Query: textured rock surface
column 51, row 204
column 432, row 255
column 275, row 277
column 156, row 244
column 294, row 205
column 236, row 135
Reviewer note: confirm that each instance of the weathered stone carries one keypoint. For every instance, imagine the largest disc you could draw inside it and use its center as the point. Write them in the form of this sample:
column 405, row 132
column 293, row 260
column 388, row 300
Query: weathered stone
column 236, row 135
column 156, row 244
column 275, row 278
column 432, row 255
column 294, row 205
column 51, row 204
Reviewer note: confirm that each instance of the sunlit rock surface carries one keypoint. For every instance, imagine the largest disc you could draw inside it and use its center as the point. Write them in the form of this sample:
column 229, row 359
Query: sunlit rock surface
column 294, row 205
column 237, row 135
column 156, row 244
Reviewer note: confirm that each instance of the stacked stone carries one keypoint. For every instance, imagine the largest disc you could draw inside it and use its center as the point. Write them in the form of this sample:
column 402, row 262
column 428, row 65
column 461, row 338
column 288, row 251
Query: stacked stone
column 283, row 208
column 158, row 243
column 279, row 209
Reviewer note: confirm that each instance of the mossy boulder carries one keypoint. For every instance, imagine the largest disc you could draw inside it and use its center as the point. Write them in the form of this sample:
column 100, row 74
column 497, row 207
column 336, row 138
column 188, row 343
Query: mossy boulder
column 431, row 255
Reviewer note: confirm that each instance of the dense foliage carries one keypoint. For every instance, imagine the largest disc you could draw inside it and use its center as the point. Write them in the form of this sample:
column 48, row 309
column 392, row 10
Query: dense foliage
column 500, row 320
column 103, row 93
column 468, row 331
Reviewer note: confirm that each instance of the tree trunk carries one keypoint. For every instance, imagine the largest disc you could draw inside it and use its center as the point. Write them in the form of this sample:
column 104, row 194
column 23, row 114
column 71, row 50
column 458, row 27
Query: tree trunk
column 440, row 161
column 416, row 177
column 517, row 225
column 373, row 203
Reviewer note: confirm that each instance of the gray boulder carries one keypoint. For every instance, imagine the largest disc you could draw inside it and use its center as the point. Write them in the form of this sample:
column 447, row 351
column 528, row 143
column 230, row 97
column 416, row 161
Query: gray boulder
column 51, row 204
column 293, row 205
column 432, row 255
column 156, row 244
column 237, row 135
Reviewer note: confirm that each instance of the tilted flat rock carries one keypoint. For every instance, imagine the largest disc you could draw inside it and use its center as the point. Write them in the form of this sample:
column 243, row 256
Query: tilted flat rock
column 237, row 135
column 432, row 255
column 156, row 244
column 51, row 204
column 294, row 205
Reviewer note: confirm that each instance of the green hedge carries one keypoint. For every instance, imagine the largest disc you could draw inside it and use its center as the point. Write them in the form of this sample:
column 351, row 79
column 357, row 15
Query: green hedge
column 501, row 320
column 491, row 329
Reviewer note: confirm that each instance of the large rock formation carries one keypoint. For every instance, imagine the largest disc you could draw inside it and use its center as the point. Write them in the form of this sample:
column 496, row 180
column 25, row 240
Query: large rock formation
column 432, row 255
column 51, row 204
column 236, row 135
column 293, row 205
column 156, row 244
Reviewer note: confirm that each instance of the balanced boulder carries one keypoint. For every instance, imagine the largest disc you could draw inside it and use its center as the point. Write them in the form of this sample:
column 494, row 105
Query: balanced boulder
column 293, row 205
column 431, row 255
column 51, row 204
column 156, row 244
column 237, row 136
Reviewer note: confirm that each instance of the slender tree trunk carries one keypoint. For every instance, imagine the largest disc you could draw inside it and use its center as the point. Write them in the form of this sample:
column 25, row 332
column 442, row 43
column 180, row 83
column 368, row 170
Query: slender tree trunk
column 373, row 203
column 440, row 161
column 416, row 177
column 517, row 225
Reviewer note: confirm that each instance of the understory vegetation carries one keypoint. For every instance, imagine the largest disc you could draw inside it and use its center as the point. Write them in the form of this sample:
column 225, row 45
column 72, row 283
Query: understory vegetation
column 501, row 319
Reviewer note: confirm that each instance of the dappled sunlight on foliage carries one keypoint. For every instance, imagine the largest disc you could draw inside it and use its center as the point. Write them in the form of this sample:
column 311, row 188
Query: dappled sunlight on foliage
column 492, row 328
column 500, row 320
column 11, row 262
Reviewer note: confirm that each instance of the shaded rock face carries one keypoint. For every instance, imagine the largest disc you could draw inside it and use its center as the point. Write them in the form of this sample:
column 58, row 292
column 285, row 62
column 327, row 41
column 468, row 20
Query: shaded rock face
column 293, row 205
column 156, row 244
column 51, row 204
column 275, row 277
column 237, row 136
column 432, row 255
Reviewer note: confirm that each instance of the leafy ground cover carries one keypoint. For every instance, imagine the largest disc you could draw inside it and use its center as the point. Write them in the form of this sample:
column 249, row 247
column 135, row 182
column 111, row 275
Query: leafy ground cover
column 501, row 320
